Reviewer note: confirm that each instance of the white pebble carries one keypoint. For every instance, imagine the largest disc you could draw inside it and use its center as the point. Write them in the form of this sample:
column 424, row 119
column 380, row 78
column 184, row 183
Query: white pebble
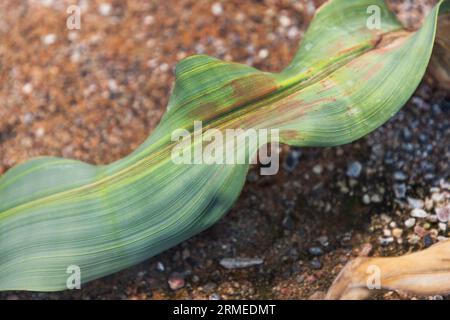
column 40, row 132
column 263, row 53
column 28, row 118
column 418, row 213
column 105, row 9
column 409, row 223
column 164, row 67
column 415, row 203
column 27, row 88
column 293, row 32
column 236, row 263
column 217, row 9
column 284, row 21
column 366, row 199
column 112, row 85
column 443, row 226
column 376, row 198
column 414, row 239
column 49, row 39
column 386, row 219
column 444, row 184
column 148, row 20
column 438, row 197
column 47, row 3
column 317, row 169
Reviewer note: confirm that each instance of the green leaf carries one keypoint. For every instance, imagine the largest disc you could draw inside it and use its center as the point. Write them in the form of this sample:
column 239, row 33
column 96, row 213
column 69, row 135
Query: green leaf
column 345, row 81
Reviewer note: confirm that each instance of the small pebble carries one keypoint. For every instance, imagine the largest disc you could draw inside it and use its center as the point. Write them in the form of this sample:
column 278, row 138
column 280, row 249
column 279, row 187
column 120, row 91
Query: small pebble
column 105, row 9
column 209, row 287
column 400, row 190
column 49, row 39
column 292, row 160
column 397, row 232
column 400, row 176
column 40, row 132
column 427, row 241
column 293, row 32
column 214, row 296
column 429, row 204
column 415, row 203
column 284, row 21
column 315, row 251
column 376, row 198
column 238, row 263
column 176, row 281
column 444, row 184
column 438, row 197
column 316, row 264
column 217, row 9
column 407, row 134
column 317, row 169
column 414, row 239
column 385, row 218
column 409, row 223
column 366, row 199
column 27, row 88
column 263, row 53
column 323, row 240
column 384, row 241
column 418, row 213
column 160, row 267
column 354, row 169
column 443, row 214
column 420, row 231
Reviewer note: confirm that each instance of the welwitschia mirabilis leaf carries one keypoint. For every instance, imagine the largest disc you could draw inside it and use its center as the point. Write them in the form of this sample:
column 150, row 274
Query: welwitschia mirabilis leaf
column 346, row 80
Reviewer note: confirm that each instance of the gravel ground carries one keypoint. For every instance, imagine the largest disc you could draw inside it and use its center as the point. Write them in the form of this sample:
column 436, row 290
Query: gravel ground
column 95, row 95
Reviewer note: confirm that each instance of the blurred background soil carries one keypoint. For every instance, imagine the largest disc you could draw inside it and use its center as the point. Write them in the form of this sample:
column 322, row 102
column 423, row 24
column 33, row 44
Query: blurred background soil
column 95, row 94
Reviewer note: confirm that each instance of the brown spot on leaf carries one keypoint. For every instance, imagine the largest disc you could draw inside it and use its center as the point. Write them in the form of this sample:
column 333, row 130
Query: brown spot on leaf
column 252, row 87
column 290, row 135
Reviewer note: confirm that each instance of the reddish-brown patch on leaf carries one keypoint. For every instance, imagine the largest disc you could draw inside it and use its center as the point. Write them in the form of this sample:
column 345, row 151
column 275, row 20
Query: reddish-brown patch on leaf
column 326, row 85
column 205, row 110
column 290, row 135
column 245, row 91
column 392, row 40
column 290, row 111
column 253, row 87
column 376, row 68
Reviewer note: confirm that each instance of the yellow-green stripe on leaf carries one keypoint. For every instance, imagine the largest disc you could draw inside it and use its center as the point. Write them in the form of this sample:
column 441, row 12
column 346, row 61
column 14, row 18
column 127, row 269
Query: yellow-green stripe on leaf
column 345, row 80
